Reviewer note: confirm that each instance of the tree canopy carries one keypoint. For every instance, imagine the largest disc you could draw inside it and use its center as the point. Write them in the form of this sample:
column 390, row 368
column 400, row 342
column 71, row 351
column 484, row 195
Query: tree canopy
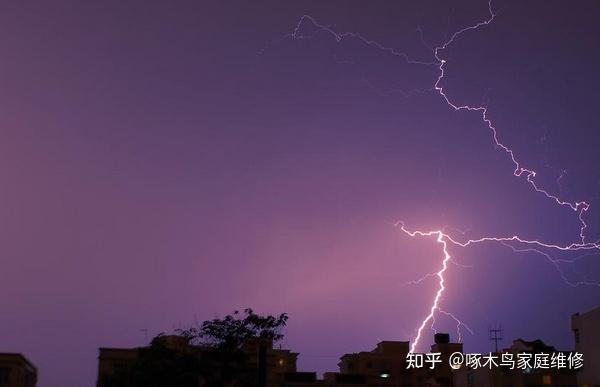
column 234, row 329
column 214, row 356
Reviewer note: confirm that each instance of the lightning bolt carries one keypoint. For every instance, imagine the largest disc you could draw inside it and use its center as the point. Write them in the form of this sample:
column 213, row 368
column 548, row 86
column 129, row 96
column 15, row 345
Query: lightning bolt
column 441, row 237
column 458, row 324
column 531, row 246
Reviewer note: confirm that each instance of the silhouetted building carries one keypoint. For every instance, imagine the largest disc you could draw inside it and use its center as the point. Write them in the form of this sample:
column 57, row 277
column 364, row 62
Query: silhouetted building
column 300, row 379
column 386, row 365
column 504, row 376
column 16, row 371
column 586, row 330
column 272, row 364
column 387, row 359
column 268, row 364
column 443, row 372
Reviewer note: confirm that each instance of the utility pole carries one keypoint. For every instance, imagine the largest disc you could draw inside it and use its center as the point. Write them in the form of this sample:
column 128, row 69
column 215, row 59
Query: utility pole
column 495, row 335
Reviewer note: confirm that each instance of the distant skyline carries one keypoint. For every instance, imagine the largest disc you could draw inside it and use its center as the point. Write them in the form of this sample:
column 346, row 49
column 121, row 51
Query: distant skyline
column 168, row 163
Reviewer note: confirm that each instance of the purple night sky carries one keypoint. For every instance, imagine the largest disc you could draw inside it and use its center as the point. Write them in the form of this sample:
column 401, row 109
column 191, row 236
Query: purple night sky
column 167, row 162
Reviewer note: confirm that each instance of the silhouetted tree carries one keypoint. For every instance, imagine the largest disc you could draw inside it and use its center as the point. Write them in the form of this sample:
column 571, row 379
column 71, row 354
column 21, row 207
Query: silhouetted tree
column 215, row 357
column 226, row 336
column 233, row 330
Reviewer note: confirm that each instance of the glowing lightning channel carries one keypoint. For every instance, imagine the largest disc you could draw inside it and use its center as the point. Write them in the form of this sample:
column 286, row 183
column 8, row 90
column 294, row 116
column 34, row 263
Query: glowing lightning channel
column 458, row 324
column 341, row 36
column 441, row 237
column 435, row 306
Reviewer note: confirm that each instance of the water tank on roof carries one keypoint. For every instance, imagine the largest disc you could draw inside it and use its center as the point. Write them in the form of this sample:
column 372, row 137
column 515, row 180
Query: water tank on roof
column 442, row 338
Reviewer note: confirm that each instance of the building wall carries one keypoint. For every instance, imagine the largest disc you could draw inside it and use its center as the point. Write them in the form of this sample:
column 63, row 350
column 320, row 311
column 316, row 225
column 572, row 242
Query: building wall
column 386, row 366
column 465, row 377
column 16, row 371
column 111, row 360
column 443, row 371
column 502, row 377
column 505, row 377
column 388, row 357
column 586, row 332
column 278, row 362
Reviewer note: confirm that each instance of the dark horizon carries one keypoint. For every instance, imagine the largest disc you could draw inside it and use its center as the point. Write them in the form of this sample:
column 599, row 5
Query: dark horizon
column 168, row 163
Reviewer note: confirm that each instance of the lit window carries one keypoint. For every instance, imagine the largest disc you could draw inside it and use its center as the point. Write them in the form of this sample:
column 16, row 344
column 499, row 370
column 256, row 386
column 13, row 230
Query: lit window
column 547, row 380
column 281, row 362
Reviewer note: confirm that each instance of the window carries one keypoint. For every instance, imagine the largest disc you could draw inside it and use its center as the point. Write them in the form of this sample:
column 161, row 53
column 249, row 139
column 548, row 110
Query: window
column 547, row 380
column 4, row 375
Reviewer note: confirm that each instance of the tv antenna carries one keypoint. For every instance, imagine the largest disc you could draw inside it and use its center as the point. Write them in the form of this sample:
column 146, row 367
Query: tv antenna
column 495, row 335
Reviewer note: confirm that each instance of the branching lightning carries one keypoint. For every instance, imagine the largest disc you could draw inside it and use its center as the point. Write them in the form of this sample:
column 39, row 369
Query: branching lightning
column 458, row 324
column 444, row 238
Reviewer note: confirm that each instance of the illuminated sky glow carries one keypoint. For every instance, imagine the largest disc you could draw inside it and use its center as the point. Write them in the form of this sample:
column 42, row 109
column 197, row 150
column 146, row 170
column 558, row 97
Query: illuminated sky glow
column 166, row 162
column 580, row 208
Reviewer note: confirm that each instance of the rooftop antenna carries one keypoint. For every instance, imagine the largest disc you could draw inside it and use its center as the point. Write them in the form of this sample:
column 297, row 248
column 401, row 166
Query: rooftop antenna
column 495, row 335
column 145, row 331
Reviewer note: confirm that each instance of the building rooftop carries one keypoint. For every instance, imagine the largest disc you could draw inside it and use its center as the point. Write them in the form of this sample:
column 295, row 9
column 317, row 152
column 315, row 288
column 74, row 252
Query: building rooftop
column 533, row 346
column 17, row 358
